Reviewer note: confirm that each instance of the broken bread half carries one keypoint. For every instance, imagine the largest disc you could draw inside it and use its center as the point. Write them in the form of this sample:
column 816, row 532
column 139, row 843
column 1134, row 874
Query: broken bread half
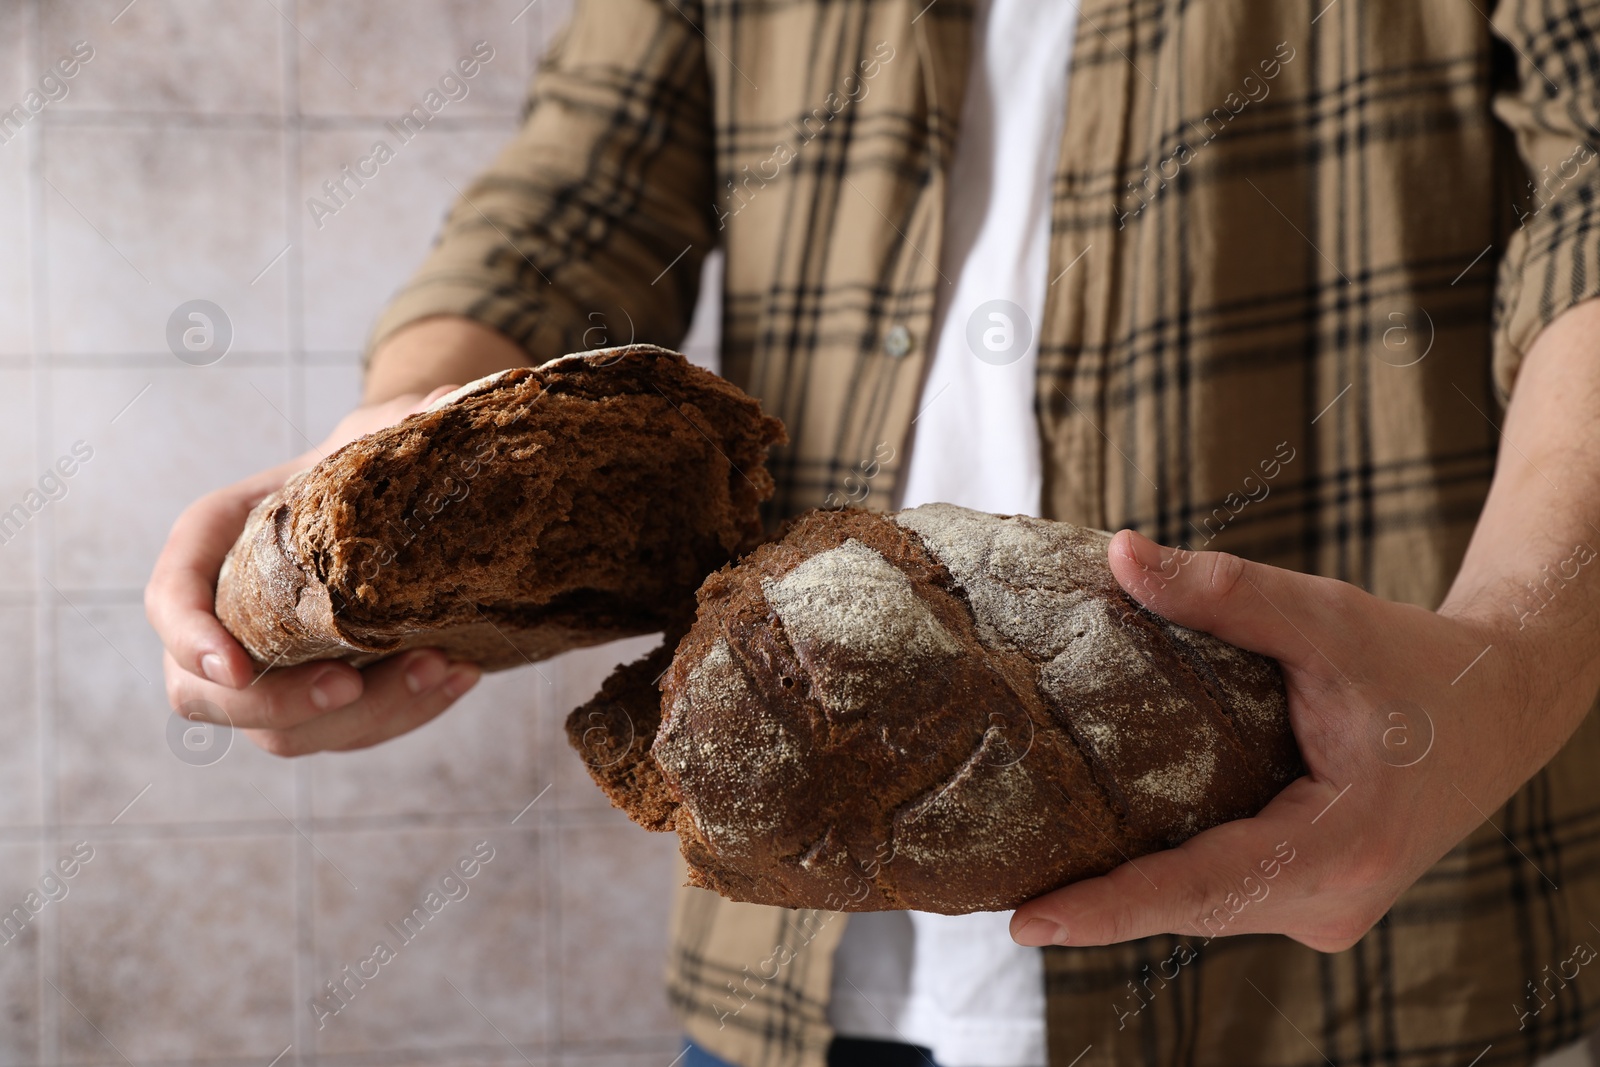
column 534, row 511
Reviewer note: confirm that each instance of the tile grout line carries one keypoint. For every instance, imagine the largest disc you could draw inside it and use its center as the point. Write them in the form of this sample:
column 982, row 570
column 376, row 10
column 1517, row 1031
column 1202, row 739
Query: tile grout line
column 139, row 120
column 548, row 840
column 559, row 818
column 293, row 233
column 136, row 360
column 48, row 964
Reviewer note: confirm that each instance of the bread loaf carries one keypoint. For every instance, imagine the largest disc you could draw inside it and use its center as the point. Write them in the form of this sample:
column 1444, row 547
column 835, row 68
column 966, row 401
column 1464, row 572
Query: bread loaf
column 533, row 511
column 940, row 710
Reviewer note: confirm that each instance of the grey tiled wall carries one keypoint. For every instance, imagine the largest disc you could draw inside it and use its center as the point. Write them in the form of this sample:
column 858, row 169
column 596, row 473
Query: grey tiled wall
column 219, row 898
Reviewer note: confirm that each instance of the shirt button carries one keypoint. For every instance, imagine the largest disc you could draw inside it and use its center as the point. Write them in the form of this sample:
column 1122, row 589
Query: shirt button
column 897, row 342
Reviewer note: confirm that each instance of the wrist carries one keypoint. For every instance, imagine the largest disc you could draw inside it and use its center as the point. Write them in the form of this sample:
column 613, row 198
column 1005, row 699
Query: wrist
column 435, row 351
column 1542, row 672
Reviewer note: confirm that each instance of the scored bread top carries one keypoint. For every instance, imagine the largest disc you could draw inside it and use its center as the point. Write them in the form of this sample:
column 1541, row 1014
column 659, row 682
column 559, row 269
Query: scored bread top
column 942, row 710
column 533, row 511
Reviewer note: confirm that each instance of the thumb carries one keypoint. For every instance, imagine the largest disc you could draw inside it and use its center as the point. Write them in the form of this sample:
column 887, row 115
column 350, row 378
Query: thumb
column 438, row 391
column 1198, row 887
column 1278, row 613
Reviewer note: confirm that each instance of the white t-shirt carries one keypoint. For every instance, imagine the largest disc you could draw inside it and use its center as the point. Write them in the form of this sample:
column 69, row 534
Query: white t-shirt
column 958, row 985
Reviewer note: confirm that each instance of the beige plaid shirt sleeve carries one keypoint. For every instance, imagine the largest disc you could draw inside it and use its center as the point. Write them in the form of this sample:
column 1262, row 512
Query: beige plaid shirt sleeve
column 607, row 183
column 1296, row 231
column 1552, row 107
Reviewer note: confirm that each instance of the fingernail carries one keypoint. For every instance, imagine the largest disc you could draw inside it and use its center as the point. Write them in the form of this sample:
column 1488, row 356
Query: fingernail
column 214, row 667
column 334, row 689
column 461, row 679
column 426, row 670
column 1145, row 552
column 1036, row 933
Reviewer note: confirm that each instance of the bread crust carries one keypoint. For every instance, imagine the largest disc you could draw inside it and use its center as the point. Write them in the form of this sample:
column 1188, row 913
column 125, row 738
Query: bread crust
column 527, row 471
column 946, row 711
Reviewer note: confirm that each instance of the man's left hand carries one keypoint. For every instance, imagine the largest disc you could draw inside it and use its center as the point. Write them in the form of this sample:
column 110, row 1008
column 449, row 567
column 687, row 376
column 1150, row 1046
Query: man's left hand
column 1415, row 725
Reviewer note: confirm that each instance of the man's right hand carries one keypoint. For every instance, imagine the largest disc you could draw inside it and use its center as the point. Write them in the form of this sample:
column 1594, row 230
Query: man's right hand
column 288, row 711
column 292, row 711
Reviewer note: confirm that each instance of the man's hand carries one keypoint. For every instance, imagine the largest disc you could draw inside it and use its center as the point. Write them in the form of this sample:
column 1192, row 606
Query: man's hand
column 292, row 711
column 1415, row 725
column 289, row 711
column 1402, row 764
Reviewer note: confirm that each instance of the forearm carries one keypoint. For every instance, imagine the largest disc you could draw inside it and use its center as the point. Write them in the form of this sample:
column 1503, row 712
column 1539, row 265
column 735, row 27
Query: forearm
column 443, row 350
column 1531, row 574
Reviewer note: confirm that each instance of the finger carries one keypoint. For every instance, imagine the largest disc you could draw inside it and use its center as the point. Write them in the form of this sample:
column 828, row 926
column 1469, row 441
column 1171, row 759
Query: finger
column 1264, row 609
column 460, row 679
column 277, row 699
column 1200, row 887
column 443, row 390
column 401, row 694
column 180, row 597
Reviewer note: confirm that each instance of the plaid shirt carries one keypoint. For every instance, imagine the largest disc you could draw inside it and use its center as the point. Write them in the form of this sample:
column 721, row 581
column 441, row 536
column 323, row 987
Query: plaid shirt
column 1300, row 229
